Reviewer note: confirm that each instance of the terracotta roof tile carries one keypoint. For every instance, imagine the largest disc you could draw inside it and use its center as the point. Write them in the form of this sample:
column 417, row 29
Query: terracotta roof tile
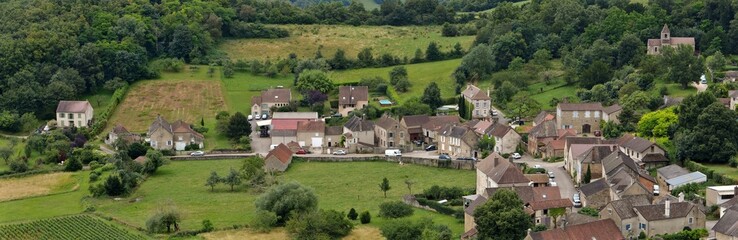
column 415, row 120
column 500, row 170
column 537, row 178
column 281, row 152
column 352, row 94
column 311, row 126
column 601, row 230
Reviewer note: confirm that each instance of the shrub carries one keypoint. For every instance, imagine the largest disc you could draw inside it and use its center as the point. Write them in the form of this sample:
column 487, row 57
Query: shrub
column 352, row 214
column 439, row 193
column 73, row 165
column 365, row 217
column 321, row 224
column 539, row 227
column 288, row 198
column 207, row 226
column 107, row 167
column 264, row 221
column 95, row 165
column 19, row 166
column 424, row 229
column 94, row 176
column 589, row 211
column 395, row 209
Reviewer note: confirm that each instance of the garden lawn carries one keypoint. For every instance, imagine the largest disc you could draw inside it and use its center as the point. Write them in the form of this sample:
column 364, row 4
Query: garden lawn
column 420, row 75
column 46, row 206
column 100, row 100
column 306, row 40
column 239, row 89
column 723, row 169
column 344, row 185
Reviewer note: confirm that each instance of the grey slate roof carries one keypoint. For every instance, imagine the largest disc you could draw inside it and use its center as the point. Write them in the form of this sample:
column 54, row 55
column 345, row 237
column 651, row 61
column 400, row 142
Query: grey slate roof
column 656, row 212
column 333, row 130
column 613, row 108
column 386, row 122
column 728, row 224
column 356, row 124
column 638, row 144
column 624, row 206
column 544, row 129
column 580, row 106
column 671, row 171
column 687, row 178
column 72, row 106
column 159, row 122
column 594, row 187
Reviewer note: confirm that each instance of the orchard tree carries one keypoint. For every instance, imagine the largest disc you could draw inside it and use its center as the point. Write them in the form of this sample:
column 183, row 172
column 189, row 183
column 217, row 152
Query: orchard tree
column 502, row 217
column 523, row 106
column 385, row 186
column 432, row 96
column 233, row 179
column 213, row 180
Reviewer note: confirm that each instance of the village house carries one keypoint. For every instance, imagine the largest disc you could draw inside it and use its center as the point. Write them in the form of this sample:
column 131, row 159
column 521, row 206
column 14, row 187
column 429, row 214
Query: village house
column 120, row 132
column 458, row 141
column 162, row 135
column 542, row 117
column 693, row 177
column 669, row 217
column 310, row 135
column 269, row 98
column 541, row 134
column 581, row 144
column 727, row 227
column 590, row 160
column 537, row 201
column 538, row 179
column 283, row 126
column 435, row 123
column 352, row 98
column 716, row 195
column 495, row 171
column 278, row 159
column 555, row 148
column 638, row 148
column 669, row 172
column 414, row 127
column 583, row 117
column 479, row 100
column 625, row 177
column 389, row 133
column 656, row 46
column 597, row 230
column 333, row 136
column 730, row 203
column 595, row 194
column 624, row 215
column 74, row 114
column 359, row 134
column 506, row 139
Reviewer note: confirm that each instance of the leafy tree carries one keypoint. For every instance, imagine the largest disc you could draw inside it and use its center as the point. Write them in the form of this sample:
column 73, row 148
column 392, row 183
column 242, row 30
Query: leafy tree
column 5, row 153
column 136, row 149
column 611, row 130
column 233, row 179
column 683, row 66
column 712, row 139
column 154, row 160
column 449, row 30
column 213, row 180
column 264, row 221
column 165, row 218
column 658, row 123
column 384, row 186
column 508, row 46
column 542, row 58
column 432, row 96
column 693, row 234
column 476, row 65
column 690, row 190
column 502, row 217
column 504, row 93
column 413, row 106
column 353, row 215
column 322, row 224
column 486, row 143
column 365, row 217
column 424, row 229
column 288, row 198
column 366, row 58
column 238, row 126
column 402, row 85
column 523, row 106
column 715, row 63
column 539, row 228
column 432, row 53
column 314, row 80
column 397, row 73
column 587, row 175
column 73, row 165
column 589, row 212
column 221, row 122
column 394, row 209
column 692, row 106
column 340, row 61
column 597, row 73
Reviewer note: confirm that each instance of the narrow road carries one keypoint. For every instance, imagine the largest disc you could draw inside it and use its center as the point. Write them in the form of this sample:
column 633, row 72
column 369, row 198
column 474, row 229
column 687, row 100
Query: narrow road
column 13, row 136
column 106, row 150
column 562, row 179
column 500, row 115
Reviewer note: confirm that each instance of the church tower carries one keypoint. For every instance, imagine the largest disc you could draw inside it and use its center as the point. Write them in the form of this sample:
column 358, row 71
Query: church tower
column 665, row 36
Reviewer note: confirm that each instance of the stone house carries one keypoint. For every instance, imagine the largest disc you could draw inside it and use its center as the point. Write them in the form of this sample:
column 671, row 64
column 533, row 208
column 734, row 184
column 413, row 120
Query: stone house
column 389, row 133
column 352, row 98
column 591, row 159
column 458, row 141
column 597, row 230
column 333, row 136
column 506, row 139
column 669, row 172
column 278, row 159
column 537, row 179
column 479, row 100
column 595, row 194
column 495, row 171
column 656, row 46
column 269, row 98
column 637, row 148
column 120, row 132
column 541, row 210
column 284, row 131
column 74, row 114
column 414, row 127
column 730, row 203
column 358, row 133
column 163, row 135
column 541, row 134
column 583, row 117
column 542, row 117
column 669, row 217
column 435, row 123
column 540, row 198
column 625, row 177
column 555, row 148
column 733, row 95
column 612, row 112
column 623, row 213
column 727, row 227
column 575, row 146
column 312, row 134
column 716, row 195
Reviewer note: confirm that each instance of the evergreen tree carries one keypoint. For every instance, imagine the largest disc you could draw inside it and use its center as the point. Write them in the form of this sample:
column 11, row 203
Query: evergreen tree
column 238, row 126
column 353, row 215
column 433, row 53
column 384, row 186
column 587, row 175
column 432, row 96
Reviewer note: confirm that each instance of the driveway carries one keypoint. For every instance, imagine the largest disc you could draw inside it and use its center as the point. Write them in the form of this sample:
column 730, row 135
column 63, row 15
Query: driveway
column 259, row 145
column 500, row 115
column 563, row 180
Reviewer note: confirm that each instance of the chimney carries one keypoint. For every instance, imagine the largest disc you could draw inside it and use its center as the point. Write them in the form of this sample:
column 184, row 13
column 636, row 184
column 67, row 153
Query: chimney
column 681, row 197
column 496, row 162
column 667, row 208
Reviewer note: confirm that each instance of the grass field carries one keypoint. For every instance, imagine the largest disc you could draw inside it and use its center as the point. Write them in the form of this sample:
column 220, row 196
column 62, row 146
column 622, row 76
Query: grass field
column 42, row 207
column 420, row 76
column 37, row 185
column 17, row 150
column 348, row 185
column 68, row 227
column 305, row 40
column 724, row 169
column 360, row 232
column 100, row 100
column 239, row 89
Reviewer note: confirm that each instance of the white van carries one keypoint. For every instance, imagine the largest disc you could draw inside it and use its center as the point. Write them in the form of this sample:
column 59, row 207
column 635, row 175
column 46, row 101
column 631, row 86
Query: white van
column 392, row 153
column 656, row 190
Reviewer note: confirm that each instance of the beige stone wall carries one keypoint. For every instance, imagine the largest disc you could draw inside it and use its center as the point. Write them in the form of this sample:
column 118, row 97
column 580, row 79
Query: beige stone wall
column 272, row 164
column 720, row 236
column 468, row 222
column 508, row 143
column 159, row 138
column 344, row 109
column 567, row 118
column 307, row 137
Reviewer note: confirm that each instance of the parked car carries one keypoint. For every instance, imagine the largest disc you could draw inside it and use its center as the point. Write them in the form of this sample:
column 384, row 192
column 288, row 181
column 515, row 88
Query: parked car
column 467, row 158
column 516, row 155
column 392, row 153
column 264, row 116
column 551, row 175
column 494, row 112
column 339, row 152
column 552, row 184
column 577, row 201
column 250, row 117
column 430, row 148
column 258, row 117
column 444, row 157
column 197, row 153
column 537, row 166
column 302, row 151
column 656, row 190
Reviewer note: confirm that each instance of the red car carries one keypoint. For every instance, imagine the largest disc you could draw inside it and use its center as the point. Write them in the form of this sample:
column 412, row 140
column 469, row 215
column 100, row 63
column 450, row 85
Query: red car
column 301, row 151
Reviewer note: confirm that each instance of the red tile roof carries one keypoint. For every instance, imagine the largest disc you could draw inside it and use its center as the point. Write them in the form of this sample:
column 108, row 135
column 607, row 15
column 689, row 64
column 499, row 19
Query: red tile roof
column 282, row 124
column 311, row 126
column 601, row 230
column 281, row 152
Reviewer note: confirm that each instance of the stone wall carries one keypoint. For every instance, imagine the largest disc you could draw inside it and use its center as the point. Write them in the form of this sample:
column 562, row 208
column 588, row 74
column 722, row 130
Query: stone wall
column 454, row 164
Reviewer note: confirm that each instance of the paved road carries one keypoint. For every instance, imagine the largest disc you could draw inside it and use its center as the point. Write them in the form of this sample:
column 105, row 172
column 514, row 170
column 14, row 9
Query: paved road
column 563, row 180
column 500, row 115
